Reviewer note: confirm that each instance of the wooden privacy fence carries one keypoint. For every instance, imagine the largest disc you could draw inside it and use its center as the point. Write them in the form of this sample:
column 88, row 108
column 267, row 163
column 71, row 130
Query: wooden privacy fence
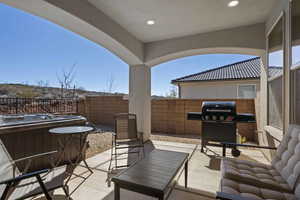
column 170, row 116
column 167, row 115
column 101, row 109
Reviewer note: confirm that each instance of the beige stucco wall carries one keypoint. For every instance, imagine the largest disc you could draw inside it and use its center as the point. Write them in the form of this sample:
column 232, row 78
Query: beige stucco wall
column 215, row 89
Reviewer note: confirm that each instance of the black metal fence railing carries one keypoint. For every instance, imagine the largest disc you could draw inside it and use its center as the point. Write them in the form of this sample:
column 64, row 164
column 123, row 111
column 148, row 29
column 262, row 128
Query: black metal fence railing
column 36, row 105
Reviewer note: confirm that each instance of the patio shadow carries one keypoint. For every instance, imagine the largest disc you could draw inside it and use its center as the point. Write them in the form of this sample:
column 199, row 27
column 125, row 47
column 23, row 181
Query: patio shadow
column 176, row 194
column 54, row 197
column 214, row 163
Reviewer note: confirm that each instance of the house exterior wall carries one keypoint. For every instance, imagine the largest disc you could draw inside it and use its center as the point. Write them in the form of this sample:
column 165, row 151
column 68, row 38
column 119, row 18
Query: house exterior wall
column 214, row 89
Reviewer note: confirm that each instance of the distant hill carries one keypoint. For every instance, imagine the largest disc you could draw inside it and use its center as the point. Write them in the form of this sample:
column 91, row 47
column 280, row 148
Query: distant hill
column 32, row 91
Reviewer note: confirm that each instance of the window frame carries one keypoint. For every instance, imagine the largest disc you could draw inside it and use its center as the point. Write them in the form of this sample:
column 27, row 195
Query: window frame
column 282, row 17
column 245, row 84
column 292, row 68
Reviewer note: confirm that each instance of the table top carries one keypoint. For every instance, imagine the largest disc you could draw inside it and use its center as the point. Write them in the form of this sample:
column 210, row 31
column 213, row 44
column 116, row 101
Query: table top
column 155, row 172
column 71, row 130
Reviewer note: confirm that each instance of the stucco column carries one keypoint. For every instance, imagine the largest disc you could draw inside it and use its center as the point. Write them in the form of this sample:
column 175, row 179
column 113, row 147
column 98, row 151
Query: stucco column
column 264, row 137
column 263, row 92
column 140, row 97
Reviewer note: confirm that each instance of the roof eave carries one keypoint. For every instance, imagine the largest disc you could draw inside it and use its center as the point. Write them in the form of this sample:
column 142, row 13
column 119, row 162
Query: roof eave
column 231, row 79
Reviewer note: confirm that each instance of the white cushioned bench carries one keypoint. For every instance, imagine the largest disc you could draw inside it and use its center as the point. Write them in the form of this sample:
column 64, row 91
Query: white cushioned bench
column 251, row 180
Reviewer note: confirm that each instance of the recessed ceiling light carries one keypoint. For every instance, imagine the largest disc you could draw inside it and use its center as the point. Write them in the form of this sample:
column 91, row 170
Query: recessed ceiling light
column 233, row 3
column 150, row 22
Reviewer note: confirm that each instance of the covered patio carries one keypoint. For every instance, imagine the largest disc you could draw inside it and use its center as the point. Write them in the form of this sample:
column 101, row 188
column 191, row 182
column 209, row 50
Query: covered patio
column 210, row 27
column 147, row 33
column 203, row 179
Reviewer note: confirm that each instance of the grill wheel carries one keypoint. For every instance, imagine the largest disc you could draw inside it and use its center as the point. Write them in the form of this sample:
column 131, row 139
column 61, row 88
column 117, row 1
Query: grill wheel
column 235, row 152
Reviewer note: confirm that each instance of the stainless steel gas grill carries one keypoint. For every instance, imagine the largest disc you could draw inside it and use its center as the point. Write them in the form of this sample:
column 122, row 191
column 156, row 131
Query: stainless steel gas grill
column 219, row 119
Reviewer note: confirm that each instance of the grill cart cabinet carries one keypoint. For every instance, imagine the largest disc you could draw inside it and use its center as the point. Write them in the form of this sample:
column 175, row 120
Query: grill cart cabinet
column 219, row 119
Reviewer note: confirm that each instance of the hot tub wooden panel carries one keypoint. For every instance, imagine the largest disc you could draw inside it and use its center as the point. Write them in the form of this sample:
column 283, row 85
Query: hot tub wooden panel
column 22, row 141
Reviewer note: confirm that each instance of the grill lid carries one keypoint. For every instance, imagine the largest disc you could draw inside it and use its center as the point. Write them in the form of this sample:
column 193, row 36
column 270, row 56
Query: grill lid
column 219, row 107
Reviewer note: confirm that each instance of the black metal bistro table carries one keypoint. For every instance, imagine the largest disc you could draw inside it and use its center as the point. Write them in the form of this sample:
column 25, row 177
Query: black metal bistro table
column 154, row 175
column 72, row 132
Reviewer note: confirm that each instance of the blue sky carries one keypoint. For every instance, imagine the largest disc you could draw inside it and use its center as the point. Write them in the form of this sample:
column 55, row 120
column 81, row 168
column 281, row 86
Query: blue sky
column 34, row 49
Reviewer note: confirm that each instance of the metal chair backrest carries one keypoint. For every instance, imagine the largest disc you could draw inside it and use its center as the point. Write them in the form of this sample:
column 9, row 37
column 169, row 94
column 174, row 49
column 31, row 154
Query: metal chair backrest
column 126, row 126
column 7, row 166
column 10, row 169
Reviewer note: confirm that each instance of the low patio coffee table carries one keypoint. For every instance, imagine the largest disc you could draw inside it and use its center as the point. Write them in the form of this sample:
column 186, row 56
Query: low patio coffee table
column 154, row 175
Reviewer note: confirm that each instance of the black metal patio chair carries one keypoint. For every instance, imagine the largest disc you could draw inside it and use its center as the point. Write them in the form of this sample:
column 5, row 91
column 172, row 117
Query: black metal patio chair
column 18, row 184
column 125, row 137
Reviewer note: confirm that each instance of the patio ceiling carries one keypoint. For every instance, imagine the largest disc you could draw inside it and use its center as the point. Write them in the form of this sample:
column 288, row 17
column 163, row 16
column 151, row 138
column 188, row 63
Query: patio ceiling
column 178, row 18
column 181, row 28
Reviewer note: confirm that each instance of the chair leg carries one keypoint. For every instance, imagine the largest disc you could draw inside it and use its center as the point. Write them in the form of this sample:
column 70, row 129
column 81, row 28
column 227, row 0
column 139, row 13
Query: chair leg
column 66, row 191
column 144, row 154
column 139, row 154
column 45, row 191
column 111, row 155
column 6, row 190
column 116, row 157
column 116, row 153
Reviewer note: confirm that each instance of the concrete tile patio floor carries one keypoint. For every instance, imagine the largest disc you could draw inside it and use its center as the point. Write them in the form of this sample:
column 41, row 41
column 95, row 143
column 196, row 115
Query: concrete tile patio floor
column 203, row 179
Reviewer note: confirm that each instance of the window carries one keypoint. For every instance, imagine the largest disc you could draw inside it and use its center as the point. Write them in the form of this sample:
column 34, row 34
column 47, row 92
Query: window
column 247, row 91
column 275, row 76
column 295, row 69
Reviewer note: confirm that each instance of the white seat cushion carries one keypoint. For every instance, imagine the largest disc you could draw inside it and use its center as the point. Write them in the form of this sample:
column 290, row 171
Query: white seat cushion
column 280, row 180
column 253, row 192
column 253, row 173
column 287, row 159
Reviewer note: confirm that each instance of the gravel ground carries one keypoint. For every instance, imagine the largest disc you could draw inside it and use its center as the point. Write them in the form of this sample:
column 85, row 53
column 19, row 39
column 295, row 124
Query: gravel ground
column 98, row 142
column 101, row 141
column 189, row 139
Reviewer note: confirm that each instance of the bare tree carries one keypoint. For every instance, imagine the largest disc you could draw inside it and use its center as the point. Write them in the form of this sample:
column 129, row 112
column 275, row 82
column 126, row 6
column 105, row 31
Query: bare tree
column 173, row 92
column 43, row 84
column 110, row 84
column 66, row 80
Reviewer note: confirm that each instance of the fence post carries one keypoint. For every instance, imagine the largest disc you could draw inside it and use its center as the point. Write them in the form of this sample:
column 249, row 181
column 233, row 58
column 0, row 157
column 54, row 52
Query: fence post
column 17, row 105
column 77, row 104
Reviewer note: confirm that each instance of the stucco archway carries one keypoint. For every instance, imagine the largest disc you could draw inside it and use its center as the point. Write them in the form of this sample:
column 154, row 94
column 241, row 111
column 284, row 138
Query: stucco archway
column 242, row 40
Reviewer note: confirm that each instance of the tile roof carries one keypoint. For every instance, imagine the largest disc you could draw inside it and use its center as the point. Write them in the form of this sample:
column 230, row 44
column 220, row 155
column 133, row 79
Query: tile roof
column 248, row 69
